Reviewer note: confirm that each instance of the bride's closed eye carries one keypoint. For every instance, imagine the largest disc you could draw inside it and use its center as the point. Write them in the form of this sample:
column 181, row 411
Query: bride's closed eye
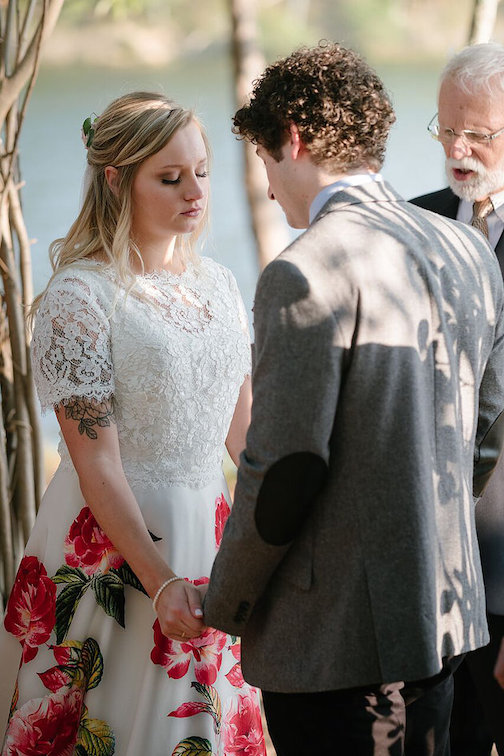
column 204, row 174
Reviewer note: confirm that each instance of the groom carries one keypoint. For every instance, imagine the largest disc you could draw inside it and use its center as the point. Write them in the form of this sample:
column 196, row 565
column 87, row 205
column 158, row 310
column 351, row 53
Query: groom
column 349, row 564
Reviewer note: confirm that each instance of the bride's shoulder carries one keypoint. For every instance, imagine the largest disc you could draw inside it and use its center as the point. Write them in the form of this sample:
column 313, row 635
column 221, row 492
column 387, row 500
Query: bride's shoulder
column 82, row 274
column 216, row 270
column 84, row 281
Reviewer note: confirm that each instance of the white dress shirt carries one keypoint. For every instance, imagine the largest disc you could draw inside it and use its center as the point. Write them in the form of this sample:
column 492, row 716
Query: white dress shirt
column 354, row 179
column 495, row 219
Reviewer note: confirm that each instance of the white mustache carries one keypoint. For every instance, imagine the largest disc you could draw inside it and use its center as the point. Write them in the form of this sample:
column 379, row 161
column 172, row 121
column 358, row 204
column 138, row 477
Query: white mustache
column 466, row 164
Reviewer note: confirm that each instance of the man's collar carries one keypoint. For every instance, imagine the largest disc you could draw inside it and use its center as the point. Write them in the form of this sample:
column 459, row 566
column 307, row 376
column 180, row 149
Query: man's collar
column 465, row 213
column 498, row 203
column 354, row 179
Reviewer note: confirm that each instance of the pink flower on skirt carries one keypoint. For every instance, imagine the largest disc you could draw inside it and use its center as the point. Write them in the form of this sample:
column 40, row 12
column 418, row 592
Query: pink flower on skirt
column 175, row 656
column 242, row 729
column 222, row 512
column 234, row 676
column 31, row 610
column 88, row 547
column 45, row 726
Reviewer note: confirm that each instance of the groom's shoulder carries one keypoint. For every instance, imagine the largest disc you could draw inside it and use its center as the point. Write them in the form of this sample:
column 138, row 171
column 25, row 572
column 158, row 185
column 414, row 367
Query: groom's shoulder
column 301, row 277
column 282, row 273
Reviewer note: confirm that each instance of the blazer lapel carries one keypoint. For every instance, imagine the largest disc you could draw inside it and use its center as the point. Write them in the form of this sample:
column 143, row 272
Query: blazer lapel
column 448, row 203
column 499, row 251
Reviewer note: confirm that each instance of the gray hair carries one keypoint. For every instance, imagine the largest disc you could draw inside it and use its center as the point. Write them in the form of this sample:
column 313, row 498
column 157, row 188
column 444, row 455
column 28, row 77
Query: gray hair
column 477, row 67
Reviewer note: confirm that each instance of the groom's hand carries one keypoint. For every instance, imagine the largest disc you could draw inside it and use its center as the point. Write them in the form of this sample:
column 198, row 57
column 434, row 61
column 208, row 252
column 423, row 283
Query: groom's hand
column 180, row 612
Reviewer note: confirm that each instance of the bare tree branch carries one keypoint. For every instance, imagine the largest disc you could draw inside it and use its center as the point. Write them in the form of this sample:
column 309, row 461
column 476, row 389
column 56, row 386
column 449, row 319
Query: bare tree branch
column 268, row 225
column 25, row 26
column 24, row 35
column 12, row 86
column 482, row 21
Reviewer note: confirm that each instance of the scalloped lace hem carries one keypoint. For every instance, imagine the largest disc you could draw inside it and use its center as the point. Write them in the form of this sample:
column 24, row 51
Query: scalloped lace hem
column 155, row 481
column 97, row 396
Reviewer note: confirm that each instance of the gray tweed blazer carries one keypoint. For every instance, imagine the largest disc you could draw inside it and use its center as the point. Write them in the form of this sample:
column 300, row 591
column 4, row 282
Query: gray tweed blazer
column 490, row 510
column 350, row 556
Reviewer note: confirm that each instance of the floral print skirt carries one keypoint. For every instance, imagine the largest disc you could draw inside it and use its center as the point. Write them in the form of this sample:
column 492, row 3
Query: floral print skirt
column 95, row 674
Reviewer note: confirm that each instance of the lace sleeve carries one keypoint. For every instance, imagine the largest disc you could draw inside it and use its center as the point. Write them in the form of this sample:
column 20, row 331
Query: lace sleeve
column 71, row 353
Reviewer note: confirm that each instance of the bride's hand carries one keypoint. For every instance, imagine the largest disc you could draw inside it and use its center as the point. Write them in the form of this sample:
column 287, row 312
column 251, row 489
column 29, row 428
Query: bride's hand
column 179, row 611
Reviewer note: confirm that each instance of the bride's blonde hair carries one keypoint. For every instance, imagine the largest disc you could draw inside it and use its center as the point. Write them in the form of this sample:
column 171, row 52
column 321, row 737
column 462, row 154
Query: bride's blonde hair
column 131, row 129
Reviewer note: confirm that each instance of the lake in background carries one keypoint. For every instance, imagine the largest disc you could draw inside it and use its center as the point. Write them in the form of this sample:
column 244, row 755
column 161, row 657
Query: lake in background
column 53, row 157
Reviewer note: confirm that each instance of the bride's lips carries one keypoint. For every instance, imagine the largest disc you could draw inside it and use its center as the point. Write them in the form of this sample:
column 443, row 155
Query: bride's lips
column 193, row 212
column 461, row 174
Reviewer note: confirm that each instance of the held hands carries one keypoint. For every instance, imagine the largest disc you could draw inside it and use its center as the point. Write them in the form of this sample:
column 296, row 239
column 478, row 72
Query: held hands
column 179, row 611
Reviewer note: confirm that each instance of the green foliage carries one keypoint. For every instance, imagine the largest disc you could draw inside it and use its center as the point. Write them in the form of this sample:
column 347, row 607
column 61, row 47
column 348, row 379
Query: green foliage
column 77, row 11
column 187, row 16
column 282, row 29
column 283, row 24
column 380, row 29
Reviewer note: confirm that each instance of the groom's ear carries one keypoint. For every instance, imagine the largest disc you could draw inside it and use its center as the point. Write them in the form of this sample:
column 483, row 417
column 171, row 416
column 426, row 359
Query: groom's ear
column 112, row 177
column 296, row 145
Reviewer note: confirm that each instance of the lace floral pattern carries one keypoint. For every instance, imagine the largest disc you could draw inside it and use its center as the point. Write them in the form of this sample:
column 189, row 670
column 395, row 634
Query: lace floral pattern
column 173, row 353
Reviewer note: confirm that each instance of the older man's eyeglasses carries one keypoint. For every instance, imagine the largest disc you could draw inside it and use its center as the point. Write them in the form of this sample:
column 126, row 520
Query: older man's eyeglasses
column 446, row 136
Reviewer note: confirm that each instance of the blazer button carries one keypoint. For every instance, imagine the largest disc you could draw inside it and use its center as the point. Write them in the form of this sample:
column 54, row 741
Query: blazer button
column 242, row 611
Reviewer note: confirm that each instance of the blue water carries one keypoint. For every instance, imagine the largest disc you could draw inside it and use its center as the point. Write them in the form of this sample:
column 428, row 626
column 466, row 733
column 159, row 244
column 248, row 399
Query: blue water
column 53, row 156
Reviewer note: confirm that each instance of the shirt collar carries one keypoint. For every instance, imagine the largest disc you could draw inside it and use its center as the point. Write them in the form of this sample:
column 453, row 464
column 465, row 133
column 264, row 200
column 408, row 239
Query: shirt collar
column 354, row 179
column 498, row 203
column 466, row 207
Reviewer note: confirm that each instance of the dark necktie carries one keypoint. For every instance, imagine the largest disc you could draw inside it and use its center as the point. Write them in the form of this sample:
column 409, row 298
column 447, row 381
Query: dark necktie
column 480, row 212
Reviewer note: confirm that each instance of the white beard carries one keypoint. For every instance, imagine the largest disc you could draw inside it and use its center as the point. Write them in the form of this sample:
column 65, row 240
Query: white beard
column 481, row 184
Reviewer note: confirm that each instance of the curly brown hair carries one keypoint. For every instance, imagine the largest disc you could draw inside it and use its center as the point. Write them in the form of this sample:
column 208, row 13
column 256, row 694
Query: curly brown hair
column 334, row 97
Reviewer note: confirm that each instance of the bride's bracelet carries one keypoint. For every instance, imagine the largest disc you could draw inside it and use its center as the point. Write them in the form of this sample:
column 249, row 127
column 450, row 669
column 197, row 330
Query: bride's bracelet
column 161, row 589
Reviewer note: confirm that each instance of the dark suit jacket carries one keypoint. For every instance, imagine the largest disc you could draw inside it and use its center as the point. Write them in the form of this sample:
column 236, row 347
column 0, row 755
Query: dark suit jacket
column 379, row 365
column 490, row 510
column 445, row 202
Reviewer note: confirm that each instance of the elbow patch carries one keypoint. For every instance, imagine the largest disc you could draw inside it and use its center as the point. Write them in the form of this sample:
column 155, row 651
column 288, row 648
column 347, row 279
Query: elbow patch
column 286, row 494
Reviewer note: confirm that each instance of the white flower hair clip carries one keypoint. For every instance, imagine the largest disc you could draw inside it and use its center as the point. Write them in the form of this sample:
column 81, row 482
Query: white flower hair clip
column 87, row 131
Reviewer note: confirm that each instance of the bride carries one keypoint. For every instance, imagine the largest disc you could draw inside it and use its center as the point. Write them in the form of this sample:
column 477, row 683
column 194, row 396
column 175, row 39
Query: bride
column 142, row 349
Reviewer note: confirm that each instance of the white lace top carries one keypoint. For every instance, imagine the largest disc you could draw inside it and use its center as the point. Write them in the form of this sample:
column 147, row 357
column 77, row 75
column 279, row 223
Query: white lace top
column 173, row 360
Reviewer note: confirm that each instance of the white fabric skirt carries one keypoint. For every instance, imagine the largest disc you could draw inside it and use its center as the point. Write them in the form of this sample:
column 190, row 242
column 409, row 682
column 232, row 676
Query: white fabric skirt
column 95, row 673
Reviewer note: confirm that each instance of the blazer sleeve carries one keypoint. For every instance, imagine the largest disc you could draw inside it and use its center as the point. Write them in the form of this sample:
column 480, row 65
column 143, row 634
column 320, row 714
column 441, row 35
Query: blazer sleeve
column 299, row 359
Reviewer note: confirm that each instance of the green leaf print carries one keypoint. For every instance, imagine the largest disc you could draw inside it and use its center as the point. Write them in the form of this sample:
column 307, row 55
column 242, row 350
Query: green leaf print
column 95, row 738
column 193, row 747
column 81, row 663
column 214, row 703
column 80, row 751
column 126, row 574
column 15, row 699
column 73, row 649
column 67, row 574
column 70, row 651
column 66, row 602
column 109, row 593
column 92, row 663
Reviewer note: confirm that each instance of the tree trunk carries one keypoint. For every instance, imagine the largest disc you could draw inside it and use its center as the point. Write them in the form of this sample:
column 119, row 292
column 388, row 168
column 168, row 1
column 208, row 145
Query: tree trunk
column 268, row 225
column 482, row 21
column 23, row 29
